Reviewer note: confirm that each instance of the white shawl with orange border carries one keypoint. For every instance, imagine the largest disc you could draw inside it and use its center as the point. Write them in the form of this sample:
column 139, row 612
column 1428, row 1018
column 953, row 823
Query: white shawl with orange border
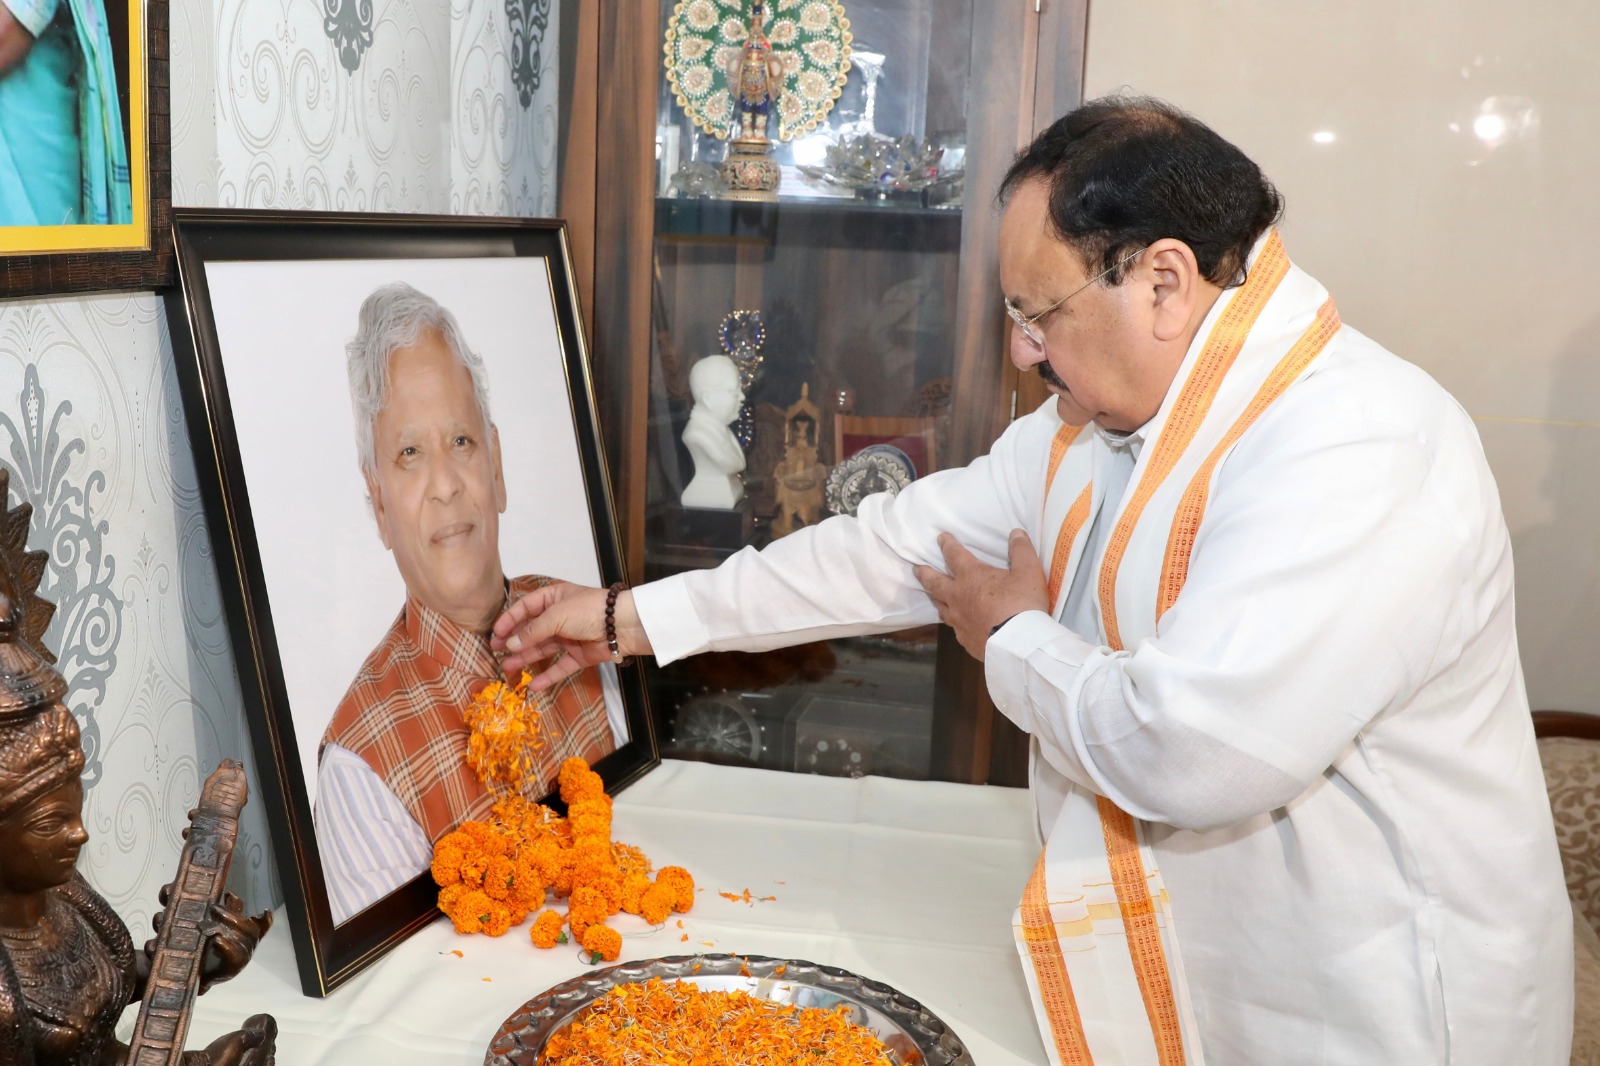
column 1095, row 926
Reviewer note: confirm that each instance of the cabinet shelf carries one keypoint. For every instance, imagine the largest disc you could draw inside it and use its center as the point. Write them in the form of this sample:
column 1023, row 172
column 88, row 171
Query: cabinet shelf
column 812, row 223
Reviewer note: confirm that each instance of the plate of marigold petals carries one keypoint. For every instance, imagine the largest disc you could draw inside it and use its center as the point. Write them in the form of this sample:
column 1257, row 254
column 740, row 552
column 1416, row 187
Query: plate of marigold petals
column 724, row 1010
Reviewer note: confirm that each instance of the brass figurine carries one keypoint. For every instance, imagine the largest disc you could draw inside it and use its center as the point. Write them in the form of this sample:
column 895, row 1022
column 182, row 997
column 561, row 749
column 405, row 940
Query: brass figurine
column 177, row 958
column 68, row 966
column 755, row 77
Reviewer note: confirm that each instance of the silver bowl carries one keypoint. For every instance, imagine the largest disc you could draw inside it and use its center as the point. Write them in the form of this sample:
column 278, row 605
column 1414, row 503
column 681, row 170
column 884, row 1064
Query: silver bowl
column 912, row 1033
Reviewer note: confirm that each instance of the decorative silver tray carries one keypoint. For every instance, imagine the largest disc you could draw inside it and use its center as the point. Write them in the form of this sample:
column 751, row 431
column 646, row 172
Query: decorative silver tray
column 912, row 1033
column 875, row 468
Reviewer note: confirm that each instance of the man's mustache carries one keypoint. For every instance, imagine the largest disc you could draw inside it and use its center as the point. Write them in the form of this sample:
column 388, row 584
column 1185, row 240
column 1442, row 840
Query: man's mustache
column 1047, row 372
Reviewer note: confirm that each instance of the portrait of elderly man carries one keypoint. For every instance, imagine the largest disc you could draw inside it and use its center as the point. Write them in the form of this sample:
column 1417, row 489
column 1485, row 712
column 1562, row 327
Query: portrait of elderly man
column 392, row 775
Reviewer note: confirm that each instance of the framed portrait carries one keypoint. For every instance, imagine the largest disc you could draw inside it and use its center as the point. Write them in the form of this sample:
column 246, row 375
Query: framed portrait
column 394, row 428
column 85, row 146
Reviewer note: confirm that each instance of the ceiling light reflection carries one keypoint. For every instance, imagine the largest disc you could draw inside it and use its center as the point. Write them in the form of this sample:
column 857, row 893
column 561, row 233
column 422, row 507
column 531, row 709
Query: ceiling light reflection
column 1505, row 118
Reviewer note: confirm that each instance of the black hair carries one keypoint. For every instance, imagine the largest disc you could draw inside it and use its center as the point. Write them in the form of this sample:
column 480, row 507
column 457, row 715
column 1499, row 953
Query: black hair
column 1125, row 171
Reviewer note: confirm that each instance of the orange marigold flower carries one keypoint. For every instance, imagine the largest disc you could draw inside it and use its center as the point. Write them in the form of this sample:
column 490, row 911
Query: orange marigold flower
column 682, row 884
column 446, row 867
column 566, row 866
column 590, row 820
column 473, row 869
column 593, row 851
column 477, row 833
column 634, row 887
column 453, row 845
column 580, row 786
column 528, row 889
column 609, row 884
column 579, row 926
column 570, row 771
column 546, row 931
column 587, row 904
column 545, row 854
column 498, row 920
column 449, row 895
column 656, row 903
column 499, row 876
column 603, row 941
column 459, row 839
column 471, row 912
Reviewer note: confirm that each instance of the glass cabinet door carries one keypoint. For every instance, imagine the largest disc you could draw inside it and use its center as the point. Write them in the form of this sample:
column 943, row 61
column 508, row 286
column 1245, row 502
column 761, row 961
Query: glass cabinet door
column 823, row 322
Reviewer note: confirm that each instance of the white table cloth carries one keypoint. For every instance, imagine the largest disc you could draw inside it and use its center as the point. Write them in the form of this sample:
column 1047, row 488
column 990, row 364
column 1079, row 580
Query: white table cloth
column 910, row 883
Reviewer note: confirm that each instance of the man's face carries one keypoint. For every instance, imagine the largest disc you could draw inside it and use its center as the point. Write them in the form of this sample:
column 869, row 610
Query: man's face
column 436, row 485
column 1098, row 366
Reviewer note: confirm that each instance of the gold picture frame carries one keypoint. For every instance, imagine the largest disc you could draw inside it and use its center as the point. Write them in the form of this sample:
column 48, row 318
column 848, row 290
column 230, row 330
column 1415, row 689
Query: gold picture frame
column 133, row 254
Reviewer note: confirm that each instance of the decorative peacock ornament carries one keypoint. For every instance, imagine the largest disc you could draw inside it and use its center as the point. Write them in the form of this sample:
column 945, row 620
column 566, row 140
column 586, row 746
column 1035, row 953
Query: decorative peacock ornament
column 734, row 65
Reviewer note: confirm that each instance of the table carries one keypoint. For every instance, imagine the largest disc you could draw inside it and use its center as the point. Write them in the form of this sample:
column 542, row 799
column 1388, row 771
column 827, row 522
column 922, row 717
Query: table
column 911, row 883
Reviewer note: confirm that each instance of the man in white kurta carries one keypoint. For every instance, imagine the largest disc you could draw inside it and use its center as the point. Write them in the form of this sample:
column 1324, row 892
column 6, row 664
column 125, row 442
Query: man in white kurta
column 1274, row 635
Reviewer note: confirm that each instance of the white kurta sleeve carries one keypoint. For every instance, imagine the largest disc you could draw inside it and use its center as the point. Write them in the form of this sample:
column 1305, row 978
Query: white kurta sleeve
column 1320, row 595
column 849, row 576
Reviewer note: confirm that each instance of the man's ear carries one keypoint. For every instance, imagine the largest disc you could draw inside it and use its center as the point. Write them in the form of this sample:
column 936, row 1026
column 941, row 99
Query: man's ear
column 1177, row 284
column 375, row 497
column 499, row 469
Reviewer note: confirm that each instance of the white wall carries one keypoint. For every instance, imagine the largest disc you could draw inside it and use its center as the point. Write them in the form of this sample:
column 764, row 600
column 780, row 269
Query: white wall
column 1452, row 215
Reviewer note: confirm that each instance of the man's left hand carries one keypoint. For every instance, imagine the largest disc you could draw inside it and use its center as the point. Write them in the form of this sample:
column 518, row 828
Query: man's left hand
column 974, row 597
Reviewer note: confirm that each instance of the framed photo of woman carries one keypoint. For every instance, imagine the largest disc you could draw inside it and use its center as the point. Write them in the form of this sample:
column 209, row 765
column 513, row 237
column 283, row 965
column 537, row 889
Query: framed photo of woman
column 85, row 175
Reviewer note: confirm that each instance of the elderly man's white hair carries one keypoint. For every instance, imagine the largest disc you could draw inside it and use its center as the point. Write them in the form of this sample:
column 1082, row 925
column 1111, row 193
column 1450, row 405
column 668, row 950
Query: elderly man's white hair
column 393, row 317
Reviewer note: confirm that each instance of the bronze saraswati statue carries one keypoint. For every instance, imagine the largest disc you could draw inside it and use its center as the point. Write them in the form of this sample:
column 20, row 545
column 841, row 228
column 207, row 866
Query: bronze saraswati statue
column 68, row 966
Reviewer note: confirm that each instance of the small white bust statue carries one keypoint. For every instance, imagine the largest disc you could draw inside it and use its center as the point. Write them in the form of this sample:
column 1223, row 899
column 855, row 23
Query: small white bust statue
column 718, row 459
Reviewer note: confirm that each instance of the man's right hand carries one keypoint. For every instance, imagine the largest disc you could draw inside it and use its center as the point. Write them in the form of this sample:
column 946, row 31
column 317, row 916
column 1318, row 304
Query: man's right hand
column 566, row 623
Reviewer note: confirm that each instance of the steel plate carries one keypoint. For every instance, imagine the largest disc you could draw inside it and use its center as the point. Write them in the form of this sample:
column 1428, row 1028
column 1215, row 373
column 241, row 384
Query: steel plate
column 912, row 1033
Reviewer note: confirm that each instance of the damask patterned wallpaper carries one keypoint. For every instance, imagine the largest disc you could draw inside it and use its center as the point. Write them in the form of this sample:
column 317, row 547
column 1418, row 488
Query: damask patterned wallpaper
column 92, row 430
column 443, row 106
column 382, row 105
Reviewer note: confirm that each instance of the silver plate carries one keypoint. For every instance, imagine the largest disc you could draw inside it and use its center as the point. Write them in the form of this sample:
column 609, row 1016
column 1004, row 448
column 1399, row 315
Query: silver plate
column 875, row 468
column 912, row 1033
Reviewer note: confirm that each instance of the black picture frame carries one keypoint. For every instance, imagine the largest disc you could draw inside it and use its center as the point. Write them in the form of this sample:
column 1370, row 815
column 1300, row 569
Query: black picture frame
column 116, row 257
column 329, row 955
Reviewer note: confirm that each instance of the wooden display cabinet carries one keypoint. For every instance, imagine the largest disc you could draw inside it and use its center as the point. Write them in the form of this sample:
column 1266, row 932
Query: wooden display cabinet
column 889, row 313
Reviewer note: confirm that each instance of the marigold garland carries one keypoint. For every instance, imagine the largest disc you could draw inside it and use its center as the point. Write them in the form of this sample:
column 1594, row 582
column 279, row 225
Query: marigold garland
column 675, row 1022
column 493, row 874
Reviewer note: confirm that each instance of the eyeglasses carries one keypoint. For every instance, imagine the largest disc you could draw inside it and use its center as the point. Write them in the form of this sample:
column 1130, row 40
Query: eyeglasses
column 1026, row 325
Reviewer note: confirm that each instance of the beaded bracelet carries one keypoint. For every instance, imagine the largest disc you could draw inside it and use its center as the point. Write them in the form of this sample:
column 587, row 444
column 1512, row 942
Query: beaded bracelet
column 612, row 593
